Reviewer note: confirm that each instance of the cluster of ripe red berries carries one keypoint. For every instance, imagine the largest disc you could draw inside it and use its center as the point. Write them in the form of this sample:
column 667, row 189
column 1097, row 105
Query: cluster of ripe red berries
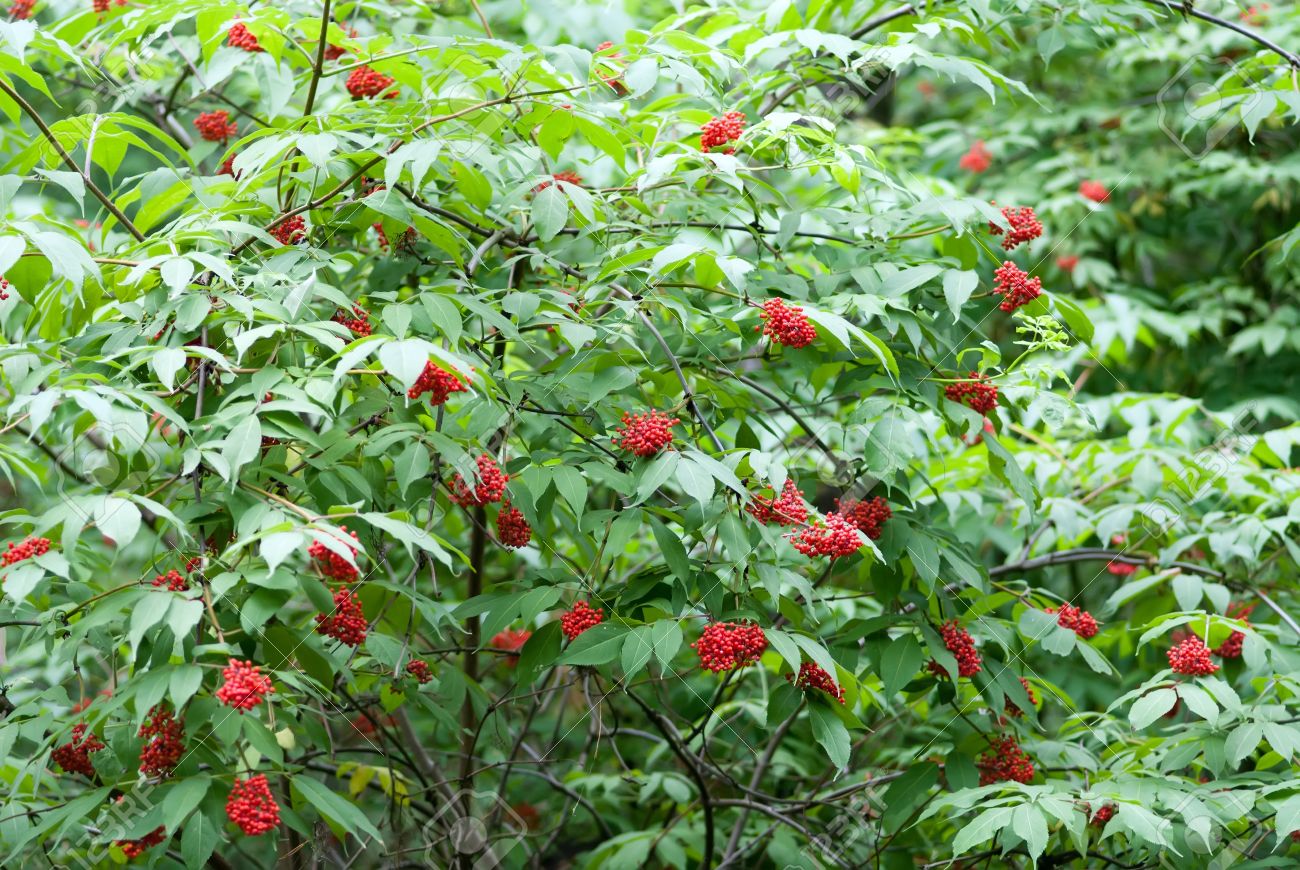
column 1103, row 815
column 135, row 848
column 334, row 52
column 347, row 623
column 166, row 745
column 726, row 646
column 215, row 126
column 1191, row 656
column 962, row 646
column 513, row 639
column 364, row 82
column 228, row 167
column 976, row 393
column 1067, row 262
column 977, row 159
column 1009, row 707
column 570, row 177
column 252, row 807
column 491, row 485
column 1121, row 569
column 1015, row 286
column 1004, row 761
column 787, row 509
column 289, row 232
column 244, row 687
column 358, row 322
column 240, row 37
column 74, row 756
column 1094, row 190
column 4, row 285
column 174, row 580
column 786, row 324
column 331, row 564
column 721, row 130
column 575, row 621
column 1231, row 648
column 868, row 516
column 615, row 78
column 25, row 549
column 814, row 676
column 1081, row 622
column 835, row 537
column 21, row 10
column 512, row 529
column 646, row 434
column 1024, row 226
column 419, row 669
column 437, row 382
column 101, row 6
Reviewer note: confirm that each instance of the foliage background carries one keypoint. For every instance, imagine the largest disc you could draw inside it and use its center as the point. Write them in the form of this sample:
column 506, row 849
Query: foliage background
column 1151, row 394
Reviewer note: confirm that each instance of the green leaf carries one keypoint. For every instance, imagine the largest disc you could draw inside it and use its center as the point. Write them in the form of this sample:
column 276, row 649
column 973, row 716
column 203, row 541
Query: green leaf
column 906, row 793
column 901, row 660
column 1151, row 707
column 958, row 285
column 550, row 212
column 183, row 798
column 334, row 807
column 598, row 645
column 831, row 734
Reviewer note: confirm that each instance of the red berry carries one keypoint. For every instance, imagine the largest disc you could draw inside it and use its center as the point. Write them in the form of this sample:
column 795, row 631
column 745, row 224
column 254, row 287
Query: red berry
column 786, row 325
column 244, row 687
column 726, row 646
column 580, row 618
column 1004, row 761
column 331, row 564
column 289, row 232
column 135, row 848
column 1067, row 262
column 646, row 434
column 570, row 177
column 1192, row 657
column 166, row 745
column 26, row 549
column 491, row 485
column 1009, row 708
column 438, row 383
column 814, row 676
column 512, row 529
column 251, row 806
column 787, row 510
column 20, row 11
column 215, row 126
column 1094, row 190
column 364, row 82
column 869, row 516
column 1024, row 226
column 240, row 37
column 609, row 73
column 334, row 52
column 721, row 130
column 835, row 538
column 1103, row 815
column 4, row 285
column 976, row 393
column 1015, row 286
column 347, row 623
column 228, row 167
column 1231, row 648
column 359, row 321
column 962, row 646
column 173, row 580
column 513, row 640
column 977, row 159
column 74, row 756
column 419, row 669
column 101, row 6
column 1081, row 622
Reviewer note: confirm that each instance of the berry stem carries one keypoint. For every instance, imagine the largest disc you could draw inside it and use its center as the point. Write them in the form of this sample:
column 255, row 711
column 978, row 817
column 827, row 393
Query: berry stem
column 319, row 63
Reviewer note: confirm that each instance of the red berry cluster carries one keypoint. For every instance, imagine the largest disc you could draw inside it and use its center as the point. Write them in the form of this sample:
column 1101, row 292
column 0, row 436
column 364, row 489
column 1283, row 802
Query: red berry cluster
column 251, row 806
column 74, row 756
column 21, row 10
column 1192, row 656
column 1103, row 815
column 977, row 159
column 1004, row 761
column 101, row 6
column 1081, row 622
column 814, row 676
column 334, row 52
column 512, row 529
column 174, row 580
column 1009, row 708
column 976, row 393
column 382, row 236
column 1015, row 286
column 438, row 383
column 1121, row 569
column 25, row 549
column 646, row 434
column 1231, row 648
column 786, row 510
column 419, row 669
column 570, row 177
column 1094, row 190
column 228, row 167
column 1067, row 262
column 581, row 617
column 135, row 848
column 358, row 322
column 721, row 130
column 726, row 646
column 513, row 639
column 491, row 485
column 4, row 285
column 786, row 324
column 869, row 517
column 240, row 37
column 347, row 622
column 962, row 646
column 244, row 687
column 166, row 745
column 290, row 232
column 615, row 80
column 837, row 537
column 215, row 126
column 331, row 564
column 364, row 82
column 1024, row 226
